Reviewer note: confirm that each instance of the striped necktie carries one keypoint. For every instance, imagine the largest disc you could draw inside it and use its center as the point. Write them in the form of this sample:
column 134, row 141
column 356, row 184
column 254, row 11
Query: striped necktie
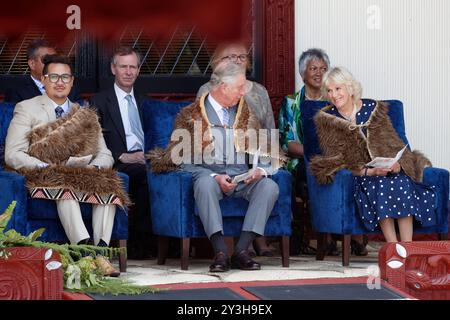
column 135, row 121
column 226, row 117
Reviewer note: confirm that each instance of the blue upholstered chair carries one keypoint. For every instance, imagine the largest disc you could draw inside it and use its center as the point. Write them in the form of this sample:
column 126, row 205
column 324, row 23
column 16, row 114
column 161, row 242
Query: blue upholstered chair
column 173, row 209
column 32, row 214
column 333, row 209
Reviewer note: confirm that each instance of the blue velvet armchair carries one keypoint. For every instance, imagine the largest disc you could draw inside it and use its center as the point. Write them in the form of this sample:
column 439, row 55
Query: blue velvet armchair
column 32, row 214
column 333, row 209
column 174, row 213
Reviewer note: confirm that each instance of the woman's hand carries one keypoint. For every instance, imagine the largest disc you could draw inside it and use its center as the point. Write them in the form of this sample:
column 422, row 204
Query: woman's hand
column 396, row 168
column 378, row 171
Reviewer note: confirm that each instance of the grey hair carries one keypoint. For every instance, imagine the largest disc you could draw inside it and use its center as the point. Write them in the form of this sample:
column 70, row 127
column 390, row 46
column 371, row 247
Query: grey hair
column 340, row 75
column 226, row 73
column 311, row 54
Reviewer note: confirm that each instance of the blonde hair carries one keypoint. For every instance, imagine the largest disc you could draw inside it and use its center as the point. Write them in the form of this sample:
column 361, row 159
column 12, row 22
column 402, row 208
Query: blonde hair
column 340, row 75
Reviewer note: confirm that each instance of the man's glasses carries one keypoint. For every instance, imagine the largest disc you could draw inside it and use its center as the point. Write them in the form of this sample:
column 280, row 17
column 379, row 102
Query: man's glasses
column 53, row 77
column 235, row 57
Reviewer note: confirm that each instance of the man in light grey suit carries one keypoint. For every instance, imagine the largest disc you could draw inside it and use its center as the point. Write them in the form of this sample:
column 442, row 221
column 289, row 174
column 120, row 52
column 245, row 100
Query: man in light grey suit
column 29, row 114
column 212, row 178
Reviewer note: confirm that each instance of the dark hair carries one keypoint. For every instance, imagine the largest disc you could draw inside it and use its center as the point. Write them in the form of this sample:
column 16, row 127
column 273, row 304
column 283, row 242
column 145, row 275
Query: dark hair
column 54, row 58
column 34, row 46
column 124, row 51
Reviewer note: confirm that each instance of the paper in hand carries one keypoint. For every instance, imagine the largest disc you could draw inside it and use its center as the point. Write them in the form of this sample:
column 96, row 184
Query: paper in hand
column 244, row 176
column 385, row 163
column 79, row 161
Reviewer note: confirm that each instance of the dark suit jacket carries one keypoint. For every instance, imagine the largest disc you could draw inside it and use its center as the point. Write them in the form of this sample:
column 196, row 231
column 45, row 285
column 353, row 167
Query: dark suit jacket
column 27, row 89
column 111, row 121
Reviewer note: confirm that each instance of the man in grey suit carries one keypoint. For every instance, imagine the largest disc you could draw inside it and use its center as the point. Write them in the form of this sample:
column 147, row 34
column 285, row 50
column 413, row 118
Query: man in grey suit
column 39, row 111
column 212, row 178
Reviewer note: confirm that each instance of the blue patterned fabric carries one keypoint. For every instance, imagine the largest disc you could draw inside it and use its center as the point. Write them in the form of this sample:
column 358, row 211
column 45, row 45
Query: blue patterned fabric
column 174, row 213
column 333, row 205
column 32, row 214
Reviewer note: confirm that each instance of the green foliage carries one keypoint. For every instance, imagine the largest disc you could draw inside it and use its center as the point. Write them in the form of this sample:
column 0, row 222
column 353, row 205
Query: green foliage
column 79, row 269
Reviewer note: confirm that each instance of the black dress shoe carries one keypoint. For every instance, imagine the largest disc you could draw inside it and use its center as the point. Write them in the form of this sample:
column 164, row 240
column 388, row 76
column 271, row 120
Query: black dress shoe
column 221, row 263
column 358, row 249
column 243, row 261
column 331, row 249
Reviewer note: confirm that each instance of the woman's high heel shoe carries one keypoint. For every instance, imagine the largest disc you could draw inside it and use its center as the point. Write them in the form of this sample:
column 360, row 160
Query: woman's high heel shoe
column 358, row 249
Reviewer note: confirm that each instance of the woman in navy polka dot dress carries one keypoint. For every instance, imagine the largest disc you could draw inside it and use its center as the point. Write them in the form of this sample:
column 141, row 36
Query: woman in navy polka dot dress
column 382, row 195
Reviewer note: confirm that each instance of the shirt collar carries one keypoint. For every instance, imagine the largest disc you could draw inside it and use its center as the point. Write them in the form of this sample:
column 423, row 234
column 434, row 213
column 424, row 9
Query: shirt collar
column 38, row 83
column 120, row 94
column 214, row 103
column 65, row 105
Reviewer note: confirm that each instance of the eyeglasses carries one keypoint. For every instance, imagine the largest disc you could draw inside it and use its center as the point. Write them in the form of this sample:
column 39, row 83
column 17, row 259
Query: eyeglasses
column 235, row 57
column 54, row 78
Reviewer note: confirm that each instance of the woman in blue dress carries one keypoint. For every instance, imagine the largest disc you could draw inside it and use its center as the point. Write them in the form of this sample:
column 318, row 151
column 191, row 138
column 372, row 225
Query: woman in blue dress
column 352, row 133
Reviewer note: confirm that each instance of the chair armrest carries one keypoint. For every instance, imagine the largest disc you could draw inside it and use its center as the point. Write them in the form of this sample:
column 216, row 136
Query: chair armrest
column 439, row 178
column 172, row 202
column 283, row 206
column 332, row 205
column 13, row 188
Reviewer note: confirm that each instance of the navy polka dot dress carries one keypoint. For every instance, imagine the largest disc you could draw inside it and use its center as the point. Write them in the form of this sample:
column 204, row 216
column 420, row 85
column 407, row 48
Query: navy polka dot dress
column 394, row 196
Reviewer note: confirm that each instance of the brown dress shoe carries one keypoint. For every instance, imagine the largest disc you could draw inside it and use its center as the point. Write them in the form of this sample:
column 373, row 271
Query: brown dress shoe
column 106, row 267
column 221, row 263
column 243, row 261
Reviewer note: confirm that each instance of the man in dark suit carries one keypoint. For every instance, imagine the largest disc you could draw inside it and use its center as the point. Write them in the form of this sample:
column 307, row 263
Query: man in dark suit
column 119, row 109
column 31, row 86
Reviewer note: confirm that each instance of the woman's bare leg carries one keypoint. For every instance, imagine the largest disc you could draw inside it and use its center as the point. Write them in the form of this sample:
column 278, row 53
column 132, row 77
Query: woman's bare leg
column 405, row 226
column 388, row 227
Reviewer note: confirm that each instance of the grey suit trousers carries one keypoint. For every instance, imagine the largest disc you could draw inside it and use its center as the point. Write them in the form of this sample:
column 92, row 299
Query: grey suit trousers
column 261, row 196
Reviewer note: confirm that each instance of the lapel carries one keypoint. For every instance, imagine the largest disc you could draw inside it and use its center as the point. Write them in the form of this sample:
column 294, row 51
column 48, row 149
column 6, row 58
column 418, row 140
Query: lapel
column 212, row 114
column 139, row 99
column 114, row 112
column 32, row 87
column 47, row 105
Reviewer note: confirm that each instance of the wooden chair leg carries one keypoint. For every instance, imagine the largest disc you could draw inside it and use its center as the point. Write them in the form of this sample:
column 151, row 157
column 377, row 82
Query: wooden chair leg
column 321, row 244
column 229, row 241
column 185, row 253
column 123, row 256
column 163, row 249
column 346, row 250
column 285, row 251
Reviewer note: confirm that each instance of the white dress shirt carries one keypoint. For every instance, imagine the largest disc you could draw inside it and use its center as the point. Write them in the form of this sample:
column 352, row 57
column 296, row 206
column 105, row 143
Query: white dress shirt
column 217, row 108
column 132, row 141
column 65, row 105
column 39, row 84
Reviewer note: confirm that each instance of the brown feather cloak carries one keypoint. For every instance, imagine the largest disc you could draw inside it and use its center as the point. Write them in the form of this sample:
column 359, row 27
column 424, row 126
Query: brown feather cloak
column 343, row 145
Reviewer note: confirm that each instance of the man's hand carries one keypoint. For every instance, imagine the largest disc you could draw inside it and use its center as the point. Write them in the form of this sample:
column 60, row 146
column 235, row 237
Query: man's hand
column 224, row 182
column 135, row 157
column 257, row 175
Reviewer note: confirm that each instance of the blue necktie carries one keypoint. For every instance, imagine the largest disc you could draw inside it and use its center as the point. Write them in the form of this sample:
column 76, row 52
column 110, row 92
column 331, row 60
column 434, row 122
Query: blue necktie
column 135, row 121
column 59, row 112
column 226, row 117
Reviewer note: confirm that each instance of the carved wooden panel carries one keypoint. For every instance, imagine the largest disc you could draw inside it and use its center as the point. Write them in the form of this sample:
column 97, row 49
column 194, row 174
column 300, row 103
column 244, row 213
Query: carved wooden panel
column 421, row 269
column 31, row 274
column 279, row 50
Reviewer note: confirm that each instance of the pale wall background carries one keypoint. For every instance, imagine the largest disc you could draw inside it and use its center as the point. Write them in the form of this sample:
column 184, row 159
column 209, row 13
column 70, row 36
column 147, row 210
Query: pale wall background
column 397, row 49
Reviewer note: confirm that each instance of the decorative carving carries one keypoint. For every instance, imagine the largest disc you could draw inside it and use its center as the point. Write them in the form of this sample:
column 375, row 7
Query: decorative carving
column 279, row 50
column 421, row 269
column 24, row 276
